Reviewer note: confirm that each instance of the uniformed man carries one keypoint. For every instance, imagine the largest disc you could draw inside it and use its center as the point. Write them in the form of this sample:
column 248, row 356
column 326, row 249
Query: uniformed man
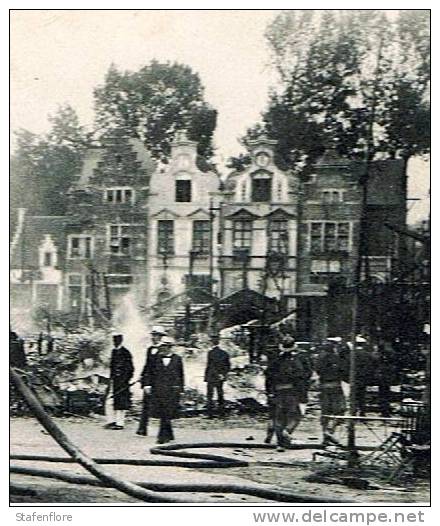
column 121, row 372
column 157, row 332
column 331, row 368
column 285, row 381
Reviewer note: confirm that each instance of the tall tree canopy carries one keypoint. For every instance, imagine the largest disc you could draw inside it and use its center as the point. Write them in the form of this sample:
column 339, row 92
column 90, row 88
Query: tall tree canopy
column 359, row 77
column 43, row 167
column 155, row 102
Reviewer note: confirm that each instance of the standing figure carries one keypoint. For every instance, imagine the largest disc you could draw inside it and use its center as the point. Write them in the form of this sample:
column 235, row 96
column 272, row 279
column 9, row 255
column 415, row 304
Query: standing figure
column 364, row 373
column 157, row 333
column 217, row 368
column 121, row 372
column 385, row 374
column 17, row 355
column 285, row 381
column 331, row 369
column 165, row 382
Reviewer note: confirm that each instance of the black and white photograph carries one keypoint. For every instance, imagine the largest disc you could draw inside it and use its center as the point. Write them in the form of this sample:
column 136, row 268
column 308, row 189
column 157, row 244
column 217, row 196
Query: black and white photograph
column 219, row 258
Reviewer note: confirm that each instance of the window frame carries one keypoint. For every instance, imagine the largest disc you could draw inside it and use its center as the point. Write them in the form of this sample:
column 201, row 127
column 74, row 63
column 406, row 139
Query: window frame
column 82, row 247
column 121, row 236
column 201, row 245
column 269, row 189
column 275, row 243
column 185, row 192
column 335, row 196
column 240, row 241
column 123, row 191
column 169, row 243
column 323, row 246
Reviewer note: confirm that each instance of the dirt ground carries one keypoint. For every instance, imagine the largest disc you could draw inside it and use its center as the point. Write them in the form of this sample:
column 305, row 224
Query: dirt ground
column 290, row 470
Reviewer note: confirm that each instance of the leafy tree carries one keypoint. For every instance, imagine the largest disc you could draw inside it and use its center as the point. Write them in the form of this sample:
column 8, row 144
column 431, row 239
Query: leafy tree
column 155, row 102
column 355, row 76
column 44, row 167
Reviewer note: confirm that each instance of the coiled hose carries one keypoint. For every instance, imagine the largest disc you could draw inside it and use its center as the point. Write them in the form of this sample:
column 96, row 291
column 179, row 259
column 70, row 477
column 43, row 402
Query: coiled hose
column 145, row 491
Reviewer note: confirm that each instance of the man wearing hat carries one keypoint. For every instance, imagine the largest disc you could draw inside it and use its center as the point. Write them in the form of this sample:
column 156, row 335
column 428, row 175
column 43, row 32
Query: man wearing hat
column 121, row 372
column 165, row 381
column 216, row 371
column 332, row 369
column 285, row 384
column 157, row 332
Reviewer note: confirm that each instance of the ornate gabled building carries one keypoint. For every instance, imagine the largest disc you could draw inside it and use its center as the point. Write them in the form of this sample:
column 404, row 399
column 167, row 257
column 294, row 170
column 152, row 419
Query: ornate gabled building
column 182, row 235
column 259, row 218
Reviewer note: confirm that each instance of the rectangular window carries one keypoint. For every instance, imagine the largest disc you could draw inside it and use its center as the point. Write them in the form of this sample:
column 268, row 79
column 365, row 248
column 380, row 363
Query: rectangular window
column 75, row 286
column 80, row 247
column 119, row 240
column 119, row 195
column 332, row 196
column 242, row 234
column 279, row 236
column 329, row 236
column 47, row 259
column 261, row 190
column 165, row 237
column 316, row 238
column 201, row 240
column 325, row 266
column 183, row 191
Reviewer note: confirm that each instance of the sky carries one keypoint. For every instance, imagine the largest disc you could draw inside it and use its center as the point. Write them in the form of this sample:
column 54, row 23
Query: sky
column 58, row 57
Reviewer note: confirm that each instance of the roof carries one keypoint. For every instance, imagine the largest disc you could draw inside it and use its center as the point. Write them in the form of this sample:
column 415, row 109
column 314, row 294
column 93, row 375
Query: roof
column 331, row 157
column 94, row 155
column 34, row 230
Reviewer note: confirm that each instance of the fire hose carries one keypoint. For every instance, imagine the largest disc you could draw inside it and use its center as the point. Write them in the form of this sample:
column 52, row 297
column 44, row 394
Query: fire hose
column 147, row 492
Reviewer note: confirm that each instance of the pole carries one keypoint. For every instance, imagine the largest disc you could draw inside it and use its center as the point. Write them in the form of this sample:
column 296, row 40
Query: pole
column 211, row 246
column 192, row 254
column 107, row 296
column 353, row 455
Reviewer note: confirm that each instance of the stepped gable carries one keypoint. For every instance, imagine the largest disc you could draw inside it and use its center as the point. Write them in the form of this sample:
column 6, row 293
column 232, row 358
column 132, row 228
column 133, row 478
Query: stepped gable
column 331, row 157
column 120, row 159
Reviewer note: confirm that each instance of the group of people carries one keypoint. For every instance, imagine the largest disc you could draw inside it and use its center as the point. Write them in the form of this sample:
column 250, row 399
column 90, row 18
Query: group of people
column 162, row 382
column 288, row 375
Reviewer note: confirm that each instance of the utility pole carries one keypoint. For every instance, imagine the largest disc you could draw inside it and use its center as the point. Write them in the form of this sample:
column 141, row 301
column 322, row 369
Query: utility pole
column 192, row 255
column 107, row 296
column 353, row 455
column 211, row 246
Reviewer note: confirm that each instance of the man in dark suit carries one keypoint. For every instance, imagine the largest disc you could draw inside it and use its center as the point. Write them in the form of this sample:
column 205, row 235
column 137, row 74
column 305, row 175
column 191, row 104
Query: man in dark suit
column 217, row 368
column 121, row 372
column 165, row 381
column 157, row 332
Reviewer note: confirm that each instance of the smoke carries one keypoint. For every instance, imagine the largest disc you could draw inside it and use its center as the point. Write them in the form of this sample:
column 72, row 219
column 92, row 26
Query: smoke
column 128, row 319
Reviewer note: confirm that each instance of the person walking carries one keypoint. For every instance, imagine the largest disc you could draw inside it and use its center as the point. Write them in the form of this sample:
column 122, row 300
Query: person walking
column 121, row 372
column 330, row 367
column 165, row 382
column 217, row 368
column 285, row 381
column 157, row 333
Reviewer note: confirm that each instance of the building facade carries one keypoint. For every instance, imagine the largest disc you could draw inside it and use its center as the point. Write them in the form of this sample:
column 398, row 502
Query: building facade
column 181, row 231
column 259, row 222
column 159, row 232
